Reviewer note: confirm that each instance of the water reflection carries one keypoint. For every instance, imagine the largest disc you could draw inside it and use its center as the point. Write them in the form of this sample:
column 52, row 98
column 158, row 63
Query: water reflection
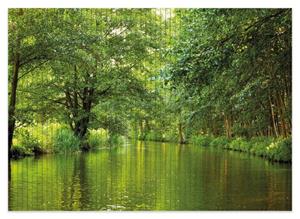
column 150, row 176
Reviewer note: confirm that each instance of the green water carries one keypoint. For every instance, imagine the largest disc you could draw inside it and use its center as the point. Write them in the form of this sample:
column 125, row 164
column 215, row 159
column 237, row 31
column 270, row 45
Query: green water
column 150, row 176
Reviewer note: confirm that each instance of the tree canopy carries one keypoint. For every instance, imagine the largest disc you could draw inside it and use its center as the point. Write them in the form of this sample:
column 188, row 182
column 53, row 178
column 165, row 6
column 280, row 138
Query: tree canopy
column 164, row 74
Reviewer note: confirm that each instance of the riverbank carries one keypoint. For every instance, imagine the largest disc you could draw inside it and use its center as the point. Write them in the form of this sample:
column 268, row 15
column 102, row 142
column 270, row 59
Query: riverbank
column 56, row 138
column 273, row 149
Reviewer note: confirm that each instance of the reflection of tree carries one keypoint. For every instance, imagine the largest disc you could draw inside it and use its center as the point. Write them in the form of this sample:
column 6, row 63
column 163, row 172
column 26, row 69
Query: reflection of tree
column 9, row 170
column 83, row 182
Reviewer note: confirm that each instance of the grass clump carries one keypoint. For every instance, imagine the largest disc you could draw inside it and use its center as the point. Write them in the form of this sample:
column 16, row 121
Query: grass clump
column 240, row 144
column 96, row 139
column 155, row 136
column 114, row 140
column 221, row 142
column 65, row 141
column 202, row 140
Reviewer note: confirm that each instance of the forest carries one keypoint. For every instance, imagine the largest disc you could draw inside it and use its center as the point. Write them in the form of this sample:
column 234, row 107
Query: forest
column 84, row 79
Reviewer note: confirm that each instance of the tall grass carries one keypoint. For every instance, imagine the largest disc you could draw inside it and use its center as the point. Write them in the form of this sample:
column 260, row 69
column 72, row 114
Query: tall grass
column 203, row 140
column 65, row 141
column 58, row 138
column 97, row 139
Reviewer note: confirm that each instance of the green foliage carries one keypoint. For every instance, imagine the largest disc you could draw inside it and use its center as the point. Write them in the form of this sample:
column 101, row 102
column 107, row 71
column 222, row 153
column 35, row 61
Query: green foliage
column 155, row 136
column 19, row 152
column 211, row 71
column 239, row 144
column 26, row 144
column 96, row 139
column 259, row 146
column 231, row 72
column 222, row 142
column 202, row 140
column 65, row 141
column 281, row 150
column 273, row 149
column 115, row 140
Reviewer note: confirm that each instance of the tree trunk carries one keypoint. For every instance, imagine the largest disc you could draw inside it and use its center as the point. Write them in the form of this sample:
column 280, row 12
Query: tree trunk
column 141, row 135
column 227, row 124
column 282, row 114
column 273, row 117
column 12, row 102
column 181, row 134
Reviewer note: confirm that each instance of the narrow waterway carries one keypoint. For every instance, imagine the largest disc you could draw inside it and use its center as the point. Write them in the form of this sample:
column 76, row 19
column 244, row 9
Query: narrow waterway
column 150, row 176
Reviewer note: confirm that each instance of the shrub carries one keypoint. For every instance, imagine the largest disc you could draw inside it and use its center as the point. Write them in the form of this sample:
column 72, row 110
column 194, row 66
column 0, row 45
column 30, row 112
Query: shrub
column 259, row 145
column 46, row 134
column 280, row 150
column 171, row 136
column 30, row 145
column 222, row 142
column 96, row 139
column 238, row 144
column 155, row 136
column 114, row 139
column 202, row 140
column 18, row 152
column 65, row 141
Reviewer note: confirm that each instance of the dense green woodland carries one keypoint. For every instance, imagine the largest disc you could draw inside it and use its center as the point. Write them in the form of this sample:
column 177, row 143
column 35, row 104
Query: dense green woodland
column 80, row 79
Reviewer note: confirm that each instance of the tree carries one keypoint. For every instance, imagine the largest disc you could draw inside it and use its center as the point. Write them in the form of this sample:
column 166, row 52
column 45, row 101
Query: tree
column 232, row 61
column 29, row 49
column 96, row 55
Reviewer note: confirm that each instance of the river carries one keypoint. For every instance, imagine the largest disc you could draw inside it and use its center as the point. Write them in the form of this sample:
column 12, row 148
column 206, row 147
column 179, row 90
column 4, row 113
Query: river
column 150, row 176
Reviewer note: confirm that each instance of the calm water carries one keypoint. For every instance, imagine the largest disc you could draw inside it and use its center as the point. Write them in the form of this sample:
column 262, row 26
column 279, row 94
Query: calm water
column 150, row 176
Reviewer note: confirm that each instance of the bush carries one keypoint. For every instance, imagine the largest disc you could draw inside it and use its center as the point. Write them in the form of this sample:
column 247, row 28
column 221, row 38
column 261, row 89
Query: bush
column 171, row 136
column 280, row 150
column 46, row 134
column 19, row 152
column 96, row 139
column 240, row 144
column 65, row 141
column 202, row 140
column 114, row 139
column 222, row 142
column 155, row 136
column 26, row 144
column 259, row 145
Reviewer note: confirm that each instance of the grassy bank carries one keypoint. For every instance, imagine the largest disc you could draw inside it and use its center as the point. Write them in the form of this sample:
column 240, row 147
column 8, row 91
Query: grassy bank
column 57, row 138
column 273, row 149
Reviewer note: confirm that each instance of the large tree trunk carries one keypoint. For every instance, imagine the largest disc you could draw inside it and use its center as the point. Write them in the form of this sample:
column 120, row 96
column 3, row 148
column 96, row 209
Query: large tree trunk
column 81, row 128
column 12, row 102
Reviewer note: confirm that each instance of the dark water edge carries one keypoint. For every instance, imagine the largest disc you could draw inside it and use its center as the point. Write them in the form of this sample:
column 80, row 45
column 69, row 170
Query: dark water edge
column 150, row 176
